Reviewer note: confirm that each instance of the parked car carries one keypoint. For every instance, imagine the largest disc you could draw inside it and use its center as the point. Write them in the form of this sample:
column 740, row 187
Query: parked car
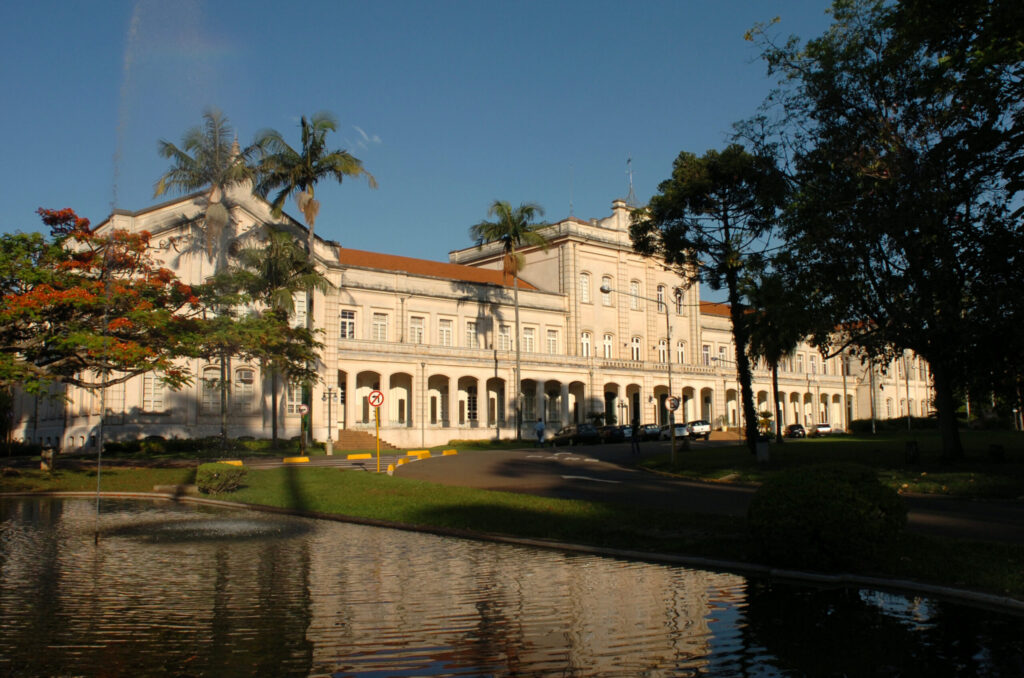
column 700, row 428
column 666, row 432
column 650, row 432
column 582, row 434
column 821, row 429
column 615, row 434
column 795, row 431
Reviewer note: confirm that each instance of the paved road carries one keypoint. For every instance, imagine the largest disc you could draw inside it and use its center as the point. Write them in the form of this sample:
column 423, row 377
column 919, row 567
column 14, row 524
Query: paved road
column 603, row 473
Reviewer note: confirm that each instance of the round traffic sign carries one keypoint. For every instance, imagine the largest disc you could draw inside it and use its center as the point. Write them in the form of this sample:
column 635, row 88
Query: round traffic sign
column 376, row 398
column 303, row 408
column 673, row 403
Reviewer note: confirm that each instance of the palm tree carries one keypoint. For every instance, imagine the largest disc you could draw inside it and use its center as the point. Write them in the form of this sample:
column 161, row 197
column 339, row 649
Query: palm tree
column 513, row 228
column 209, row 157
column 297, row 172
column 290, row 171
column 272, row 273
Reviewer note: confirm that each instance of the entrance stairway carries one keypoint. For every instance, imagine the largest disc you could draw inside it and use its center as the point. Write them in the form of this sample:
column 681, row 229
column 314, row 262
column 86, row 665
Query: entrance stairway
column 359, row 440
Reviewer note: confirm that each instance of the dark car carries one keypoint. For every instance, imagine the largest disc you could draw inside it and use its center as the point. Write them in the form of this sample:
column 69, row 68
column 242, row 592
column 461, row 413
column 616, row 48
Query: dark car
column 795, row 431
column 582, row 434
column 650, row 432
column 615, row 434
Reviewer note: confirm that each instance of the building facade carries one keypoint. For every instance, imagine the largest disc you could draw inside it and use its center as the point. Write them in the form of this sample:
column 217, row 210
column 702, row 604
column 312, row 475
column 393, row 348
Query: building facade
column 602, row 331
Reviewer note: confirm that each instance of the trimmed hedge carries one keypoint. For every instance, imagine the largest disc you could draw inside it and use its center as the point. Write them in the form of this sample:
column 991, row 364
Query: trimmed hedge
column 216, row 478
column 825, row 517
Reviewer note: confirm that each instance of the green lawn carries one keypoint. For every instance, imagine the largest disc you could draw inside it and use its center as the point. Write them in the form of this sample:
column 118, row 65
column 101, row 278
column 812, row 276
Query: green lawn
column 977, row 475
column 996, row 568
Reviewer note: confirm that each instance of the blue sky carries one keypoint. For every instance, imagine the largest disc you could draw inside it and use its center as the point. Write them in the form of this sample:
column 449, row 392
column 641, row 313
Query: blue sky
column 450, row 105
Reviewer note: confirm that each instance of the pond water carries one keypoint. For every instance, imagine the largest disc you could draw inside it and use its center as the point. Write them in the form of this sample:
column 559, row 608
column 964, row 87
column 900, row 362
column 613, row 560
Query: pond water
column 190, row 591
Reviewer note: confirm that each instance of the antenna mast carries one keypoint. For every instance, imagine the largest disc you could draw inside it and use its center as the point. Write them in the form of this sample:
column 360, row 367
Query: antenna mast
column 631, row 196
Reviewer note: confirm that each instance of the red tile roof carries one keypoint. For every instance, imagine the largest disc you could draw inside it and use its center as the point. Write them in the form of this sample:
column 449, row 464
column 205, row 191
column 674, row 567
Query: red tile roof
column 425, row 267
column 714, row 308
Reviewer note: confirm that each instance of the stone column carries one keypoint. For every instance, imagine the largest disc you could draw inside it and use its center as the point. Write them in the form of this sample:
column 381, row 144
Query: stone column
column 541, row 412
column 453, row 402
column 565, row 404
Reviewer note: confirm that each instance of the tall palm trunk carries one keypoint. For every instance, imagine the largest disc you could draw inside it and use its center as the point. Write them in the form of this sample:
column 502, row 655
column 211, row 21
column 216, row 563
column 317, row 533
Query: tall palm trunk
column 519, row 373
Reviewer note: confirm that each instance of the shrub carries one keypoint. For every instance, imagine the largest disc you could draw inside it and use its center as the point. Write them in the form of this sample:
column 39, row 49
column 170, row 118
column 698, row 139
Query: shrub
column 825, row 517
column 216, row 478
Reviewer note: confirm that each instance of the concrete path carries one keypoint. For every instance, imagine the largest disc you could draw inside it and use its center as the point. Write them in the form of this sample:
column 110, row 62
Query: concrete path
column 604, row 473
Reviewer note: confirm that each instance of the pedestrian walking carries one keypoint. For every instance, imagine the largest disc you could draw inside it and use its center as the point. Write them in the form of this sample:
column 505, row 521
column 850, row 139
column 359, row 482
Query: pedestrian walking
column 539, row 428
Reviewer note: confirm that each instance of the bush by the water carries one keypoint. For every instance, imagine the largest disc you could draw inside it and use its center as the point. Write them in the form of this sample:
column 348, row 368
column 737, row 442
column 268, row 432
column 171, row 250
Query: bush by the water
column 216, row 478
column 825, row 517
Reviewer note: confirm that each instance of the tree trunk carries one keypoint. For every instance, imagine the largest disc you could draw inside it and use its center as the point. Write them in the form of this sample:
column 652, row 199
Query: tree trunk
column 775, row 400
column 741, row 336
column 225, row 369
column 273, row 407
column 945, row 405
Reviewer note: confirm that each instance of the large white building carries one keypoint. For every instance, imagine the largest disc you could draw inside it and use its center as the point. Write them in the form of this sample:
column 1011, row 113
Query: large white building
column 438, row 339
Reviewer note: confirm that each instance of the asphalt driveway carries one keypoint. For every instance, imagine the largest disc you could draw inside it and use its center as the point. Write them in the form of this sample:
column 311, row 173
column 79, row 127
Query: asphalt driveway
column 605, row 473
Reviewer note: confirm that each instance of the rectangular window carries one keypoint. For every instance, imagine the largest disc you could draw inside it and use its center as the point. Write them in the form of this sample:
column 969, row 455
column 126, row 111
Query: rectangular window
column 293, row 398
column 661, row 298
column 634, row 349
column 606, row 297
column 504, row 338
column 585, row 344
column 379, row 330
column 705, row 355
column 471, row 403
column 299, row 314
column 529, row 340
column 553, row 342
column 444, row 332
column 348, row 325
column 416, row 329
column 634, row 295
column 153, row 392
column 471, row 336
column 585, row 288
column 800, row 363
column 662, row 351
column 608, row 350
column 211, row 391
column 243, row 389
column 680, row 352
column 813, row 364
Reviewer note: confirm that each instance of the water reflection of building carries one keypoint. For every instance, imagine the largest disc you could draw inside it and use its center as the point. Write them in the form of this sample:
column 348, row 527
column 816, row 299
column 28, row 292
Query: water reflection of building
column 437, row 339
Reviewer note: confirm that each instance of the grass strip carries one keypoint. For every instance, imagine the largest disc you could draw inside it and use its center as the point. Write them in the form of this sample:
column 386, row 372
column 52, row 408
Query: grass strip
column 980, row 566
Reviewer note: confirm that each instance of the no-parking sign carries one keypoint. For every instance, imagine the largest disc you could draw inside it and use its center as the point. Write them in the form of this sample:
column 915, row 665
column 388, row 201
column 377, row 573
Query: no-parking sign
column 376, row 398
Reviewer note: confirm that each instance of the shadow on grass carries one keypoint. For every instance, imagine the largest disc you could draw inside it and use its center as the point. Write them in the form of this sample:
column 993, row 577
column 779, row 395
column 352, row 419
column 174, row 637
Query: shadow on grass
column 609, row 526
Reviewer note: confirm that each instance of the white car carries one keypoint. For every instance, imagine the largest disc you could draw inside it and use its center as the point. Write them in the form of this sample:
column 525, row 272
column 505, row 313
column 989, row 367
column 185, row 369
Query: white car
column 821, row 429
column 666, row 432
column 700, row 429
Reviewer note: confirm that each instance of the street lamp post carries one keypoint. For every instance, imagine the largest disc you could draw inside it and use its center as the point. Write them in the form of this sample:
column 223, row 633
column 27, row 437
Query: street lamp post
column 329, row 397
column 668, row 356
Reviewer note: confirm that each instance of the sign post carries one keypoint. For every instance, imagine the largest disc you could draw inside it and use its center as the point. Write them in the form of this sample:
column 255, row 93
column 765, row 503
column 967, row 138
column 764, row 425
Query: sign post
column 303, row 423
column 376, row 399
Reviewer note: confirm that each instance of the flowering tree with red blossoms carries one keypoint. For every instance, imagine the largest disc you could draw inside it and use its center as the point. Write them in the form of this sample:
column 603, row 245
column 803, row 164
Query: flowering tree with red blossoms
column 90, row 309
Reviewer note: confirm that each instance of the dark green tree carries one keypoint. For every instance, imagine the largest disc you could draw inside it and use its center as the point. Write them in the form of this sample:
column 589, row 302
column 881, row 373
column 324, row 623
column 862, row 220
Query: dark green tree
column 712, row 222
column 900, row 131
column 513, row 227
column 778, row 322
column 272, row 272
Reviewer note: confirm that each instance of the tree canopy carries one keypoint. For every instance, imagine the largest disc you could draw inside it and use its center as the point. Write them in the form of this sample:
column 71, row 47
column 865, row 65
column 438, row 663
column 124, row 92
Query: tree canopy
column 90, row 309
column 899, row 129
column 712, row 222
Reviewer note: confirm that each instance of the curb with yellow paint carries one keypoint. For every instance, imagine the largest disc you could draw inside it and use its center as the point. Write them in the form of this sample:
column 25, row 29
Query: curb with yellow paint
column 360, row 455
column 295, row 460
